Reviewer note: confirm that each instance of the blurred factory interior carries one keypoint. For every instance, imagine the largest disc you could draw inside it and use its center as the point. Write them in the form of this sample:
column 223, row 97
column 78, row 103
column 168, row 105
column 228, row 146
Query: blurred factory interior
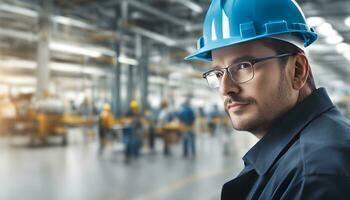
column 69, row 68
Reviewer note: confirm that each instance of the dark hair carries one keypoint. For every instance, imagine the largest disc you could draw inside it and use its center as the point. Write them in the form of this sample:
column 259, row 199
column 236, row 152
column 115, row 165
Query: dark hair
column 279, row 47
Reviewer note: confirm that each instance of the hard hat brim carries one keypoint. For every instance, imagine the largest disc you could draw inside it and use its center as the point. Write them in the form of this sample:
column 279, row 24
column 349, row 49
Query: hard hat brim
column 204, row 53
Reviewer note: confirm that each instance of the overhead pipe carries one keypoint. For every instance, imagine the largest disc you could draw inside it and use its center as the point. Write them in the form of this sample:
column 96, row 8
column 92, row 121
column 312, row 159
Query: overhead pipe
column 190, row 4
column 158, row 13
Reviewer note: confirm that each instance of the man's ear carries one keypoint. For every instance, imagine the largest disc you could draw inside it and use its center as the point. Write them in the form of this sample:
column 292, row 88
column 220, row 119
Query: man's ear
column 301, row 71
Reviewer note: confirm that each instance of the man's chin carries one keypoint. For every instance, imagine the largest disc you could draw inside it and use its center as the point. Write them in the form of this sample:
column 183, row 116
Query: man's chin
column 243, row 123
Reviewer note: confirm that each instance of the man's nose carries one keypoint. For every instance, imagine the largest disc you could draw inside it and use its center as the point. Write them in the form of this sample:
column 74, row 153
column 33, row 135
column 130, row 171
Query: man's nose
column 228, row 85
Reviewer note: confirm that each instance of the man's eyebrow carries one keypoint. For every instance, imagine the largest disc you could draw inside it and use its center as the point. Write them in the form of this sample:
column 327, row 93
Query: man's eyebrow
column 242, row 59
column 237, row 60
column 217, row 67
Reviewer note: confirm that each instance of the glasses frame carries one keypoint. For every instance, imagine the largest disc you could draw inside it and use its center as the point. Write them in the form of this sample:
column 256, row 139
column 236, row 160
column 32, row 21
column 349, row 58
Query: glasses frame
column 252, row 62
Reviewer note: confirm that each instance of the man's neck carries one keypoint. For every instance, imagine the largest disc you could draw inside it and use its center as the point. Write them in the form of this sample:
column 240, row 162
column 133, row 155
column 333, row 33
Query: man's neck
column 304, row 92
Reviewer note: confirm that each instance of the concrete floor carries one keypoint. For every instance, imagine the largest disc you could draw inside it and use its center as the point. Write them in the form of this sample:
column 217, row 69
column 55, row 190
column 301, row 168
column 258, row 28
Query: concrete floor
column 77, row 172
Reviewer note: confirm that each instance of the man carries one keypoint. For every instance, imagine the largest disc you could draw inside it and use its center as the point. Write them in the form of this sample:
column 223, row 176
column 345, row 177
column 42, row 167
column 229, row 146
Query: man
column 105, row 125
column 264, row 77
column 133, row 131
column 164, row 117
column 187, row 118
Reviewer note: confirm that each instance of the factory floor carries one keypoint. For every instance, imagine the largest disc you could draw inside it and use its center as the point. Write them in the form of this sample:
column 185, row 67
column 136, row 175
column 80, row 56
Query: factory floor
column 77, row 171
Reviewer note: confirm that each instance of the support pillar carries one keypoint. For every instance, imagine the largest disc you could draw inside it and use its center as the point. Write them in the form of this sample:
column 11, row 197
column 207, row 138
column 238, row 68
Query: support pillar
column 43, row 51
column 121, row 13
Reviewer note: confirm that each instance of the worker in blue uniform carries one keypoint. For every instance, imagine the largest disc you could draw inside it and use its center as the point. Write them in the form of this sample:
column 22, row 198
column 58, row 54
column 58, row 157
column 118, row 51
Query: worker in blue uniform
column 257, row 49
column 187, row 118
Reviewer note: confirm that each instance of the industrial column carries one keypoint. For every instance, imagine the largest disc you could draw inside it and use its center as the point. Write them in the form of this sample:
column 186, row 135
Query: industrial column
column 116, row 87
column 130, row 92
column 120, row 15
column 142, row 55
column 43, row 51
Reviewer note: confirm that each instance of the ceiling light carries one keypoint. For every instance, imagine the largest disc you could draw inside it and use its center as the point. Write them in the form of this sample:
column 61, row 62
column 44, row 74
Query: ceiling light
column 18, row 80
column 18, row 34
column 343, row 47
column 55, row 66
column 74, row 68
column 73, row 49
column 26, row 89
column 326, row 29
column 191, row 5
column 156, row 58
column 347, row 55
column 104, row 51
column 347, row 21
column 19, row 10
column 65, row 67
column 34, row 14
column 72, row 22
column 128, row 61
column 334, row 39
column 24, row 64
column 315, row 21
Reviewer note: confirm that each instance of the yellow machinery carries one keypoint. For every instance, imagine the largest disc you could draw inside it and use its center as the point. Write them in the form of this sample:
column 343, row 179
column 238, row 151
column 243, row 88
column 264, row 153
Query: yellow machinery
column 44, row 119
column 54, row 125
column 49, row 125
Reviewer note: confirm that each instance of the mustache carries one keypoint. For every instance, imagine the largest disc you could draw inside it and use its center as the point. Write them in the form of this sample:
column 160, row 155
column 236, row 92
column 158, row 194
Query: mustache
column 238, row 99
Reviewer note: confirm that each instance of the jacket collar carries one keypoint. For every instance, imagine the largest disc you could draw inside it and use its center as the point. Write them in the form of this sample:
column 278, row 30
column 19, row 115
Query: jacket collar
column 264, row 153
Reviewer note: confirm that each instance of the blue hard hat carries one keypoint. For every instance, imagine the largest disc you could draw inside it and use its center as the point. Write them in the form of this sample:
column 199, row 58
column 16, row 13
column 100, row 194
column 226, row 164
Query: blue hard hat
column 229, row 22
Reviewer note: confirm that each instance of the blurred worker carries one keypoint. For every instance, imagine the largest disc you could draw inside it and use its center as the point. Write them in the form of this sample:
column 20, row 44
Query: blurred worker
column 133, row 132
column 187, row 118
column 213, row 119
column 105, row 125
column 264, row 77
column 201, row 120
column 164, row 113
column 164, row 117
column 151, row 117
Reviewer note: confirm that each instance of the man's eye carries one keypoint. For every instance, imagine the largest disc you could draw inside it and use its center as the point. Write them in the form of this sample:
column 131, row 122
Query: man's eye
column 219, row 74
column 243, row 66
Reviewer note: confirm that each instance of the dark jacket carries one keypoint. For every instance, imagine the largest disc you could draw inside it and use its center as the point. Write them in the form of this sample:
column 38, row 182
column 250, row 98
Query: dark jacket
column 187, row 115
column 306, row 155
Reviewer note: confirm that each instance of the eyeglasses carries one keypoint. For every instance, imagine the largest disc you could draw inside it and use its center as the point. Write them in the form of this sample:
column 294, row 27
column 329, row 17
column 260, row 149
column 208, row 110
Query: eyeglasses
column 241, row 72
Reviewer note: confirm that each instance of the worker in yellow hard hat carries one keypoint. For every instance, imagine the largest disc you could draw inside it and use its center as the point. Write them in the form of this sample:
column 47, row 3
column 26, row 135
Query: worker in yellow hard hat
column 105, row 125
column 106, row 106
column 134, row 106
column 135, row 134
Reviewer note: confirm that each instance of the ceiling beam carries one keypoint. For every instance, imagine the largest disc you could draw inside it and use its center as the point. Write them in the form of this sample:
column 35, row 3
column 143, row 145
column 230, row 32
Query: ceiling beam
column 158, row 13
column 190, row 4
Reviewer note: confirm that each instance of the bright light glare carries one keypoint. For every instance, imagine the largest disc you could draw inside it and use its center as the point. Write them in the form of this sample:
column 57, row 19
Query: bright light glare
column 334, row 39
column 191, row 5
column 72, row 22
column 18, row 80
column 315, row 21
column 347, row 21
column 128, row 61
column 347, row 55
column 326, row 29
column 19, row 10
column 24, row 64
column 73, row 68
column 73, row 49
column 343, row 47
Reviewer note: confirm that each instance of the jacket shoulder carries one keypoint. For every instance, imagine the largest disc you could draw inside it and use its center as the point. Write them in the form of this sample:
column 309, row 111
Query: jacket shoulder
column 325, row 145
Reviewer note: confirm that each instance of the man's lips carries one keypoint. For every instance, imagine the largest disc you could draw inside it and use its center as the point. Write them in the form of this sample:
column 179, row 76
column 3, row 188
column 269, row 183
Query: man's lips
column 235, row 106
